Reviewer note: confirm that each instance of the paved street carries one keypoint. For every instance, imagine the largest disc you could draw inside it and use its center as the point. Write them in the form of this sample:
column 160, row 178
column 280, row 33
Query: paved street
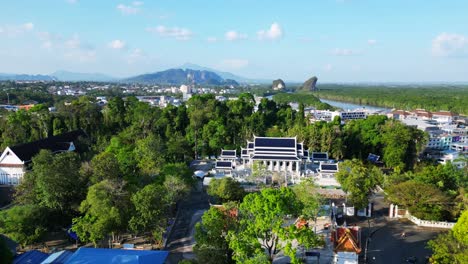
column 386, row 245
column 181, row 240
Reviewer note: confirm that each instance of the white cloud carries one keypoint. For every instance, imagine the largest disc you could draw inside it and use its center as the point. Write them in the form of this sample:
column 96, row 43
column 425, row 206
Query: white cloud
column 344, row 52
column 79, row 51
column 135, row 55
column 371, row 42
column 233, row 35
column 174, row 32
column 81, row 55
column 328, row 67
column 48, row 40
column 212, row 39
column 450, row 44
column 28, row 26
column 129, row 9
column 137, row 3
column 73, row 43
column 235, row 63
column 117, row 44
column 15, row 30
column 274, row 32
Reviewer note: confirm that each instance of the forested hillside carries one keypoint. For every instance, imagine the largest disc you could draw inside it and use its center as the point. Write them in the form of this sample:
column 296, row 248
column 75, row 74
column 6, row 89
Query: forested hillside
column 432, row 98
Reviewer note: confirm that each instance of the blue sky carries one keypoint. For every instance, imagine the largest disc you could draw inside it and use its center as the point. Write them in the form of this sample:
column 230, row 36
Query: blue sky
column 336, row 40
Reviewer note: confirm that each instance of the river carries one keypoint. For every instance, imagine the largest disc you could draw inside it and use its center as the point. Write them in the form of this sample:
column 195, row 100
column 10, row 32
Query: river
column 351, row 106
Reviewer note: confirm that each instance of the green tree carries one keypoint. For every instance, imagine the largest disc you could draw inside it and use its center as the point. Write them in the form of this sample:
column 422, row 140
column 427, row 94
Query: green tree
column 423, row 200
column 451, row 247
column 105, row 212
column 24, row 223
column 105, row 167
column 151, row 211
column 306, row 193
column 211, row 235
column 55, row 182
column 226, row 189
column 149, row 154
column 358, row 180
column 262, row 227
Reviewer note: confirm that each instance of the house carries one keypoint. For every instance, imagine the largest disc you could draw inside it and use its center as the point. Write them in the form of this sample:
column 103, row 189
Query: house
column 443, row 116
column 14, row 160
column 399, row 114
column 111, row 256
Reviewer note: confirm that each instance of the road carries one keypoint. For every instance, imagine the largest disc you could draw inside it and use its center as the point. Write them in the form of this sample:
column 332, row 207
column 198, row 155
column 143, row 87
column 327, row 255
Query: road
column 181, row 239
column 386, row 245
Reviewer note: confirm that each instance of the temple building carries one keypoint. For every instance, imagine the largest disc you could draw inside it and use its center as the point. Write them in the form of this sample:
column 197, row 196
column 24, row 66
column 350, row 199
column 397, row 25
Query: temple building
column 325, row 176
column 228, row 155
column 275, row 153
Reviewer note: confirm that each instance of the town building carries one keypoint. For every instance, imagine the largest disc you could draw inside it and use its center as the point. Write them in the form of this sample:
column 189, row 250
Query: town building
column 15, row 160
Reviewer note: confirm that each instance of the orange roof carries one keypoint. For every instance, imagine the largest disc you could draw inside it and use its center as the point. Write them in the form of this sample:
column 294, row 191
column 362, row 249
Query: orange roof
column 443, row 113
column 400, row 112
column 347, row 240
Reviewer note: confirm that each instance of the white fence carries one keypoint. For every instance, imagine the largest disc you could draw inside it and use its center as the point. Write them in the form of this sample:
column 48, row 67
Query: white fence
column 395, row 212
column 428, row 223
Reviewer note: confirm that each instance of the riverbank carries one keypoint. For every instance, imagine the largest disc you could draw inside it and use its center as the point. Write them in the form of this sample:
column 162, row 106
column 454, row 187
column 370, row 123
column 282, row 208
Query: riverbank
column 352, row 106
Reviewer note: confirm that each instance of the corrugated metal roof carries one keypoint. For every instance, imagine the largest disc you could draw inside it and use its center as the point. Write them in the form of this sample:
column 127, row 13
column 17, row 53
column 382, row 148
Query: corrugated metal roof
column 30, row 257
column 58, row 257
column 113, row 256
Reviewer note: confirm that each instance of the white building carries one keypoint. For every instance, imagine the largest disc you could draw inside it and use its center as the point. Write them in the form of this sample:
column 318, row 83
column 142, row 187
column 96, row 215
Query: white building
column 325, row 175
column 14, row 160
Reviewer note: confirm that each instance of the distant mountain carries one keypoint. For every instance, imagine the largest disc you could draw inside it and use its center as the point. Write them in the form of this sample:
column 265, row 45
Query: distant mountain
column 67, row 76
column 310, row 84
column 181, row 76
column 25, row 77
column 278, row 85
column 224, row 75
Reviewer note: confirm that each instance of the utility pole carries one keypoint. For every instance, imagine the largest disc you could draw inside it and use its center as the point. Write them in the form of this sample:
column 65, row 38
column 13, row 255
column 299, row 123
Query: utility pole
column 367, row 239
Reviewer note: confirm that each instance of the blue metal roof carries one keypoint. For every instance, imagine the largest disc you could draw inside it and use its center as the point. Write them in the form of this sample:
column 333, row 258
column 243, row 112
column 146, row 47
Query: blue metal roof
column 30, row 257
column 228, row 153
column 117, row 256
column 58, row 257
column 223, row 164
column 329, row 167
column 319, row 155
column 275, row 142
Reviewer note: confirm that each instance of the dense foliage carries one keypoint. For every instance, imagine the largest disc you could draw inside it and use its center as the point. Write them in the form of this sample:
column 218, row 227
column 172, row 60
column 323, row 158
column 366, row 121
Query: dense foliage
column 131, row 170
column 451, row 247
column 406, row 97
column 432, row 192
